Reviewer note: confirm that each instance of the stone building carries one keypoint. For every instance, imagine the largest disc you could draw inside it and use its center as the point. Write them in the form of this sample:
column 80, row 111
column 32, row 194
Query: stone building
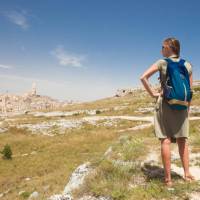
column 28, row 101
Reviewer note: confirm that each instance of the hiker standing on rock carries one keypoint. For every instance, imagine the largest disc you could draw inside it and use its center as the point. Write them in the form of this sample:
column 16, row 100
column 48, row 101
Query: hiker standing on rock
column 172, row 104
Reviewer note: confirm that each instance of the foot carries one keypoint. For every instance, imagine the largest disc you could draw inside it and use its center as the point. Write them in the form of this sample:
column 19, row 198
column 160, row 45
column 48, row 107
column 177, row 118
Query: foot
column 189, row 178
column 168, row 182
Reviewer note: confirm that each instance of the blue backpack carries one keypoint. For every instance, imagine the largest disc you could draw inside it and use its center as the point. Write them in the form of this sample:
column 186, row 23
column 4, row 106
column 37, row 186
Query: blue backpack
column 176, row 90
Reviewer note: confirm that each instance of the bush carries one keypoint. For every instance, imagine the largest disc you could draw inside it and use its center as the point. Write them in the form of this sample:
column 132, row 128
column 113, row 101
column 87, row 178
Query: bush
column 7, row 152
column 76, row 114
column 197, row 89
column 98, row 112
column 25, row 195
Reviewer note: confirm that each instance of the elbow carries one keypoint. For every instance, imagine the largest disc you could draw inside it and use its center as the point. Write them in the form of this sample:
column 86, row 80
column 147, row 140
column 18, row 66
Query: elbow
column 142, row 78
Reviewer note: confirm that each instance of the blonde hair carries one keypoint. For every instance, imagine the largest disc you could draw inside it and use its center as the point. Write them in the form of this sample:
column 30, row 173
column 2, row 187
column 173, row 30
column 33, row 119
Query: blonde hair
column 174, row 44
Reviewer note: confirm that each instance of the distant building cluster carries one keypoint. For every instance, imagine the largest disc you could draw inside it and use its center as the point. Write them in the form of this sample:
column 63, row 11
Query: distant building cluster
column 29, row 101
column 125, row 91
column 133, row 91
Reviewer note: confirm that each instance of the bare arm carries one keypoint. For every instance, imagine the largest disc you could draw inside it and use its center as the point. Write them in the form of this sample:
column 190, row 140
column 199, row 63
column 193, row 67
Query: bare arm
column 144, row 79
column 191, row 81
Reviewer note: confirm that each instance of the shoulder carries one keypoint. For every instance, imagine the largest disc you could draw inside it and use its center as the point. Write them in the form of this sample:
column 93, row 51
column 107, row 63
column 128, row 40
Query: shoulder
column 160, row 63
column 188, row 66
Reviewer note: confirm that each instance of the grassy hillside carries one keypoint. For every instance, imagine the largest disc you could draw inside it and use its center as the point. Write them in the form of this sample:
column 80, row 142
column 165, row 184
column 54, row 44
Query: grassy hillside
column 43, row 163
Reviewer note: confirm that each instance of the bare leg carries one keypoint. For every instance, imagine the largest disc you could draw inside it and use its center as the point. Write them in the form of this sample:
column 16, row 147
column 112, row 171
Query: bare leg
column 166, row 158
column 184, row 155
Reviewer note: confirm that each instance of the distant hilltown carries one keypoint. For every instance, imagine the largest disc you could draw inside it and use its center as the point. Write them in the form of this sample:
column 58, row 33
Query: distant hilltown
column 31, row 101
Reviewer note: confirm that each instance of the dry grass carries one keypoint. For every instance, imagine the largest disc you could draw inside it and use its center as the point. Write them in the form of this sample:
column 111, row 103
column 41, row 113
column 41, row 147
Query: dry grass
column 116, row 180
column 55, row 159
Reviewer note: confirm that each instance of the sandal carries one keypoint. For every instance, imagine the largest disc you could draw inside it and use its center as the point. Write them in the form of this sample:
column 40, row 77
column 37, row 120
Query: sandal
column 189, row 178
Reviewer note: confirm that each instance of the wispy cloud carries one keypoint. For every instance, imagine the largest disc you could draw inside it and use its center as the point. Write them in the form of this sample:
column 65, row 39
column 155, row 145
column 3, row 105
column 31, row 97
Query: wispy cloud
column 67, row 59
column 22, row 78
column 5, row 66
column 19, row 18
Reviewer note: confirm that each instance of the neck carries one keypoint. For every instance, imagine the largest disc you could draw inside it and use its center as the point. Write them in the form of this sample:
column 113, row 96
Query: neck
column 173, row 55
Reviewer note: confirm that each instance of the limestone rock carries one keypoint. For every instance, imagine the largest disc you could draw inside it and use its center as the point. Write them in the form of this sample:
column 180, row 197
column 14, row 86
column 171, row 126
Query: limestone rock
column 77, row 177
column 60, row 197
column 75, row 181
column 95, row 198
column 34, row 195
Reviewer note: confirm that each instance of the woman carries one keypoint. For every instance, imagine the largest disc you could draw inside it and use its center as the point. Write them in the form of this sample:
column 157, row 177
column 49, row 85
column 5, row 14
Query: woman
column 170, row 125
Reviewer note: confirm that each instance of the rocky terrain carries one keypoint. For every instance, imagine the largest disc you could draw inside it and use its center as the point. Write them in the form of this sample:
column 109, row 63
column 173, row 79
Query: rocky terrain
column 102, row 150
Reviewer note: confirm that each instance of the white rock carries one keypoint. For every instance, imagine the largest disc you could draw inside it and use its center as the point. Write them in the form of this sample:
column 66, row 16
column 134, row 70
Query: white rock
column 195, row 196
column 175, row 156
column 60, row 197
column 77, row 177
column 145, row 110
column 75, row 181
column 108, row 152
column 170, row 189
column 95, row 198
column 34, row 195
column 51, row 128
column 25, row 154
column 194, row 109
column 33, row 153
column 195, row 171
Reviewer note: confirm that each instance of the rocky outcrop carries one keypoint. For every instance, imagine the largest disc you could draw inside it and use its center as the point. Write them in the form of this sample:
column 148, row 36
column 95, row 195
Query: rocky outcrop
column 76, row 179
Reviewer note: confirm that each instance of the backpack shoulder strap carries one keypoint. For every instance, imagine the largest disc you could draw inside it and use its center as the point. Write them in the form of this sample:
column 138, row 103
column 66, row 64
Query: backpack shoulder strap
column 163, row 82
column 184, row 68
column 168, row 60
column 181, row 62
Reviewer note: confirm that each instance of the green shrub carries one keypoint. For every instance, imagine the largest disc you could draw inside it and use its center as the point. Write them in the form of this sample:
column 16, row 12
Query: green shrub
column 25, row 195
column 98, row 112
column 76, row 114
column 7, row 152
column 197, row 89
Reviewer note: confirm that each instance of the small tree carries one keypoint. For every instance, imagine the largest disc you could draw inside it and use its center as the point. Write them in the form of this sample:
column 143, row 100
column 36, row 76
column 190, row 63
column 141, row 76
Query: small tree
column 7, row 152
column 98, row 112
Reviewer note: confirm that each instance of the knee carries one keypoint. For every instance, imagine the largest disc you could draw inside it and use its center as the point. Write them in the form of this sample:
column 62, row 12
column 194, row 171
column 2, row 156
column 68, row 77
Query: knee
column 166, row 141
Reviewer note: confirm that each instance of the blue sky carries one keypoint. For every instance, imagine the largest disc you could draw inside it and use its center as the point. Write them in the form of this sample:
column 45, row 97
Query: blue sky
column 86, row 50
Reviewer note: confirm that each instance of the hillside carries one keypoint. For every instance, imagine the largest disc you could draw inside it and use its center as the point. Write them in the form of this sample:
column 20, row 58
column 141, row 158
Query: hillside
column 113, row 136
